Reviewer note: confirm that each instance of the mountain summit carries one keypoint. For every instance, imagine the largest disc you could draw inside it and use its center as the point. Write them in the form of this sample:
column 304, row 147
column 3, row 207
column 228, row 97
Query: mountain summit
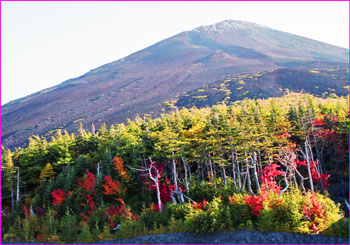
column 142, row 81
column 229, row 26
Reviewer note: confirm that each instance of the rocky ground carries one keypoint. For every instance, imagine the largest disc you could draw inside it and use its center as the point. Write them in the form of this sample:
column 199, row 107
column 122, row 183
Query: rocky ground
column 233, row 237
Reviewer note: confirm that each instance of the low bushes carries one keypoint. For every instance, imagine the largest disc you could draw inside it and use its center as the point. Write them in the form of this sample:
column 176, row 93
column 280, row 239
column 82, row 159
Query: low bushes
column 292, row 212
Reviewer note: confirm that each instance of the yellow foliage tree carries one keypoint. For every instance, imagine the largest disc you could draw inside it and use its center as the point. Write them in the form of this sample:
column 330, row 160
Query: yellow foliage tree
column 47, row 173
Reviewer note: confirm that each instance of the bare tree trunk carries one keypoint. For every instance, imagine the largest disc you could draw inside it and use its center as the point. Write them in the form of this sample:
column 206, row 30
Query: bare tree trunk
column 17, row 200
column 308, row 167
column 245, row 178
column 12, row 198
column 259, row 161
column 211, row 170
column 238, row 175
column 233, row 168
column 255, row 173
column 287, row 185
column 202, row 171
column 295, row 180
column 301, row 181
column 156, row 182
column 249, row 185
column 172, row 197
column 174, row 172
column 224, row 175
column 158, row 197
column 316, row 144
column 199, row 173
column 98, row 169
column 186, row 177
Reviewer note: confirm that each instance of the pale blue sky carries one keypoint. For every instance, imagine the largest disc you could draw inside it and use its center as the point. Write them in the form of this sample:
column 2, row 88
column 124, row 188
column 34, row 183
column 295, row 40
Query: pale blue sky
column 45, row 43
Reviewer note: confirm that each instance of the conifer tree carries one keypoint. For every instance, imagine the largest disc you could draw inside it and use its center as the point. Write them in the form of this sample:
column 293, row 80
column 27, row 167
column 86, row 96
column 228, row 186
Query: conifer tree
column 9, row 171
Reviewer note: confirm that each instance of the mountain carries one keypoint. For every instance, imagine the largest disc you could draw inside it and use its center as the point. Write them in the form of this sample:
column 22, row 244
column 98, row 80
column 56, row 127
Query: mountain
column 265, row 84
column 142, row 81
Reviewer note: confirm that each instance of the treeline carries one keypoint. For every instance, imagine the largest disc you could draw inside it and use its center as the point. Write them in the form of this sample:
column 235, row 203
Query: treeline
column 295, row 142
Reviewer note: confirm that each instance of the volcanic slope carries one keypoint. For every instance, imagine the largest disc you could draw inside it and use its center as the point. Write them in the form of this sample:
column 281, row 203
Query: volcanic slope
column 274, row 83
column 142, row 81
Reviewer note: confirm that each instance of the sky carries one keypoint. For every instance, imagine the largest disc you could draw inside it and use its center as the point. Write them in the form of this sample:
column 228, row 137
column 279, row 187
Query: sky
column 46, row 43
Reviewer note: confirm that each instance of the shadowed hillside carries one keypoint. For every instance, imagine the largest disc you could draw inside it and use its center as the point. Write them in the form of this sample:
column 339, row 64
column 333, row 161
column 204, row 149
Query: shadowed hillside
column 319, row 82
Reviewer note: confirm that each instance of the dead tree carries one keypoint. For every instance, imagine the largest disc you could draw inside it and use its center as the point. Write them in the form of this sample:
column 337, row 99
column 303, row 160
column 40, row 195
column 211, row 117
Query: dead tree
column 17, row 199
column 307, row 154
column 154, row 175
column 288, row 158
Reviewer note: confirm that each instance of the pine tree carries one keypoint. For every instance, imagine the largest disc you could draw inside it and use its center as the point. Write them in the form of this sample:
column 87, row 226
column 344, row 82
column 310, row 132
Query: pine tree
column 9, row 171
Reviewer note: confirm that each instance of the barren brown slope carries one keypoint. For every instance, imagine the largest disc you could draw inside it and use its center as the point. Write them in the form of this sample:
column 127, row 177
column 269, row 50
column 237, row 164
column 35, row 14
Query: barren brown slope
column 140, row 82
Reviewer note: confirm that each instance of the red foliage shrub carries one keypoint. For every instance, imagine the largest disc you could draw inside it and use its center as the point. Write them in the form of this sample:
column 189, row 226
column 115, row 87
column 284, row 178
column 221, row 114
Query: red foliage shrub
column 312, row 207
column 88, row 182
column 91, row 203
column 269, row 184
column 315, row 228
column 324, row 130
column 315, row 175
column 39, row 238
column 26, row 211
column 284, row 135
column 154, row 207
column 268, row 175
column 300, row 163
column 320, row 178
column 200, row 205
column 111, row 187
column 314, row 211
column 85, row 218
column 119, row 211
column 58, row 196
column 255, row 203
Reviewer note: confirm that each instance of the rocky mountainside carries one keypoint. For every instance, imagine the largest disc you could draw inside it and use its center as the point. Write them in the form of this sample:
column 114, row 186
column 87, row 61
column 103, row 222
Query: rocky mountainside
column 142, row 81
column 265, row 84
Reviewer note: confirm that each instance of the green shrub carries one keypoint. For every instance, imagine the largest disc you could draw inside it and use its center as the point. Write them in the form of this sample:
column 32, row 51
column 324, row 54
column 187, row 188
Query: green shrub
column 215, row 216
column 176, row 225
column 208, row 190
column 178, row 212
column 249, row 225
column 16, row 228
column 240, row 212
column 85, row 234
column 218, row 213
column 50, row 225
column 68, row 228
column 205, row 190
column 340, row 228
column 149, row 218
column 132, row 228
column 30, row 226
column 199, row 221
column 280, row 214
column 333, row 213
column 158, row 229
column 98, row 217
column 10, row 237
column 295, row 212
column 106, row 233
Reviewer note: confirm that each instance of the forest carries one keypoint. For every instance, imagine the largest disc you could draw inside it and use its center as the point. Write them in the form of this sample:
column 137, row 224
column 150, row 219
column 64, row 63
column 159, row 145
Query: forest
column 263, row 164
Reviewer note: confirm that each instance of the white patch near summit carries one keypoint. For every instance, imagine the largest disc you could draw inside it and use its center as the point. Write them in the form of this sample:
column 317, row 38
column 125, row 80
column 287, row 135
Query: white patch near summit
column 228, row 25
